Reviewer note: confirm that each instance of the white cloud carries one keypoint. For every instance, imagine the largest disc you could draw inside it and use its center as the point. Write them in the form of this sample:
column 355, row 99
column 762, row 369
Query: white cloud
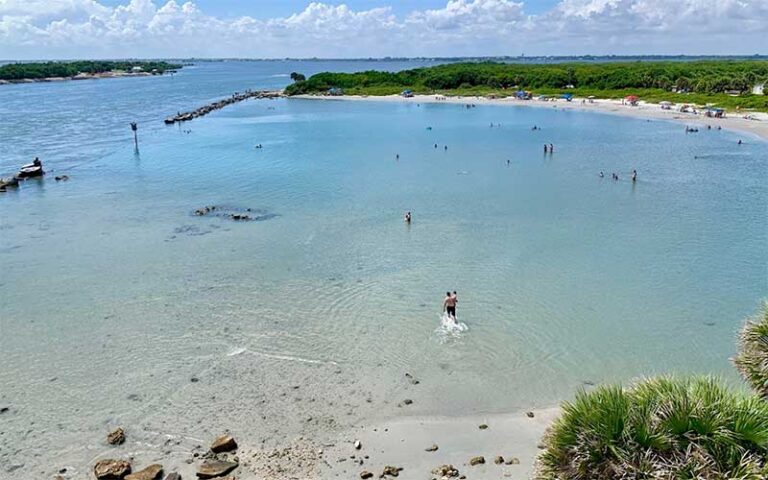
column 143, row 28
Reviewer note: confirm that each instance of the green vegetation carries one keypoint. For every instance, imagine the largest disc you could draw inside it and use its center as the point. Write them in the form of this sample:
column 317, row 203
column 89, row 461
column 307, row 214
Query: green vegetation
column 660, row 428
column 697, row 82
column 33, row 71
column 752, row 359
column 667, row 427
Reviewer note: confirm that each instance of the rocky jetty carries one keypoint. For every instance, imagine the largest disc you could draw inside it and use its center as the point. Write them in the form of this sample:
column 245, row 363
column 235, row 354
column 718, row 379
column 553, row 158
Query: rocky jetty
column 218, row 105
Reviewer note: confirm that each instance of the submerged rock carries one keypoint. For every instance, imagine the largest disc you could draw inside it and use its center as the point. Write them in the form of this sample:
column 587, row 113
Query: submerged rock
column 109, row 469
column 152, row 472
column 215, row 468
column 529, row 414
column 238, row 214
column 223, row 443
column 498, row 460
column 433, row 448
column 477, row 460
column 365, row 474
column 512, row 461
column 391, row 471
column 446, row 471
column 483, row 426
column 116, row 436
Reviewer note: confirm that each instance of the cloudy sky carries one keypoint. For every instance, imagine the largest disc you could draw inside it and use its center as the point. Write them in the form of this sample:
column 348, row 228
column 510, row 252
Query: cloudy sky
column 43, row 29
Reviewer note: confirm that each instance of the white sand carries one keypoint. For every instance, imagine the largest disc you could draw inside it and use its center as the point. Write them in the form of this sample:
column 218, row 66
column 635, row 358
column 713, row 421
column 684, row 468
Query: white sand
column 401, row 442
column 757, row 126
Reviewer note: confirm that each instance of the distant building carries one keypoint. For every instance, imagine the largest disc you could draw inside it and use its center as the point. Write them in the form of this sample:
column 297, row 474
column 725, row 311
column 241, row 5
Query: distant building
column 137, row 69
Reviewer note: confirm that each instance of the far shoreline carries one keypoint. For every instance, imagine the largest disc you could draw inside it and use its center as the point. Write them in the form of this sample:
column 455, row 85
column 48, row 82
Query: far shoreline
column 653, row 111
column 94, row 76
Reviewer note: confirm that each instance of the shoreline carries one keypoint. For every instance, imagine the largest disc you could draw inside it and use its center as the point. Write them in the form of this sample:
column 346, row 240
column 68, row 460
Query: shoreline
column 82, row 76
column 757, row 128
column 404, row 442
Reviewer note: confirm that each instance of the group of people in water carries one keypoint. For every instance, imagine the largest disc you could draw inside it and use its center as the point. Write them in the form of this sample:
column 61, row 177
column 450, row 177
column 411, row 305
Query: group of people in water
column 615, row 176
column 549, row 148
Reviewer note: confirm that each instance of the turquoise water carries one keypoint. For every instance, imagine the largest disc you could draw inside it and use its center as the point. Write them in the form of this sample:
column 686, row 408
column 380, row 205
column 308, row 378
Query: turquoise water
column 114, row 295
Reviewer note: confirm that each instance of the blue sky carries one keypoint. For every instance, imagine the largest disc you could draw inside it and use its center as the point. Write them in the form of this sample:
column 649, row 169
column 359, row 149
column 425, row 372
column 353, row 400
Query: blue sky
column 33, row 29
column 265, row 9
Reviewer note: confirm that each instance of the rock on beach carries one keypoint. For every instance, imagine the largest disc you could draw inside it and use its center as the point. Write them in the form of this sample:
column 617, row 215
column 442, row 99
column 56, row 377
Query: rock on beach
column 152, row 472
column 110, row 469
column 116, row 436
column 215, row 468
column 223, row 443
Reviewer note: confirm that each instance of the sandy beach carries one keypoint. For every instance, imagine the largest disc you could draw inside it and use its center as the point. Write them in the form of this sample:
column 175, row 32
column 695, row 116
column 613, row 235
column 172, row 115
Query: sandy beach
column 80, row 76
column 414, row 445
column 756, row 125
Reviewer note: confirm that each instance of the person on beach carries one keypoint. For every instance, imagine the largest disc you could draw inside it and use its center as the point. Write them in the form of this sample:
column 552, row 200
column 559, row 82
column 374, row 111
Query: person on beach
column 449, row 306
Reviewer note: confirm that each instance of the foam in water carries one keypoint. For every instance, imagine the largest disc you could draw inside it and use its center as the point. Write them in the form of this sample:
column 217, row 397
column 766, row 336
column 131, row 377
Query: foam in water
column 450, row 327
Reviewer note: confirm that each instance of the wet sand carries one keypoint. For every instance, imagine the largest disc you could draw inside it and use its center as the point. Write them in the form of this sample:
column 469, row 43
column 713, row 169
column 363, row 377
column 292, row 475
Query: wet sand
column 757, row 126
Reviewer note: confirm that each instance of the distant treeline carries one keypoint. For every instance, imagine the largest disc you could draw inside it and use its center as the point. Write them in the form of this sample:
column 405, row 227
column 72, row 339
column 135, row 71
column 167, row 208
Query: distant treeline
column 21, row 71
column 714, row 76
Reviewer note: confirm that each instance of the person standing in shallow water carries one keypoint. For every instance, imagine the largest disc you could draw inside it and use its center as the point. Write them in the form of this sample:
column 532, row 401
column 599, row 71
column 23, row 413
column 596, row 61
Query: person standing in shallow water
column 449, row 305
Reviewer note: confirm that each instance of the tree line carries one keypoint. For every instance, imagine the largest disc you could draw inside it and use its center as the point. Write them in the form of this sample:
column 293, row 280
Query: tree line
column 21, row 71
column 697, row 76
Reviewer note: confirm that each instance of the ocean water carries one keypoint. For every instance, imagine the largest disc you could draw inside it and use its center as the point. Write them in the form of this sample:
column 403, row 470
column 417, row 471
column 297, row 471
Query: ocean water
column 119, row 306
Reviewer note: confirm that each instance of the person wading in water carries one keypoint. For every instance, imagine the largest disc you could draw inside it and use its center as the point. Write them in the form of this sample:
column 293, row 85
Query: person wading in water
column 449, row 305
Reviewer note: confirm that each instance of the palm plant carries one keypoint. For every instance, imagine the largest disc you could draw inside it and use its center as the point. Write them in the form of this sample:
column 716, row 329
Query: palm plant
column 752, row 359
column 663, row 427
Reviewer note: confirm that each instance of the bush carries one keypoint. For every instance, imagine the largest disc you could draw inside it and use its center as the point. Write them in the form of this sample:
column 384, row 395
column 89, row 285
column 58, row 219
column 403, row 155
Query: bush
column 752, row 359
column 662, row 428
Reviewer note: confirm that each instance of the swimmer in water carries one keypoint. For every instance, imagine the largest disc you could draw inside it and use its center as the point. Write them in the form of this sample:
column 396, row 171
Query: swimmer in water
column 435, row 145
column 397, row 157
column 446, row 148
column 507, row 162
column 449, row 306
